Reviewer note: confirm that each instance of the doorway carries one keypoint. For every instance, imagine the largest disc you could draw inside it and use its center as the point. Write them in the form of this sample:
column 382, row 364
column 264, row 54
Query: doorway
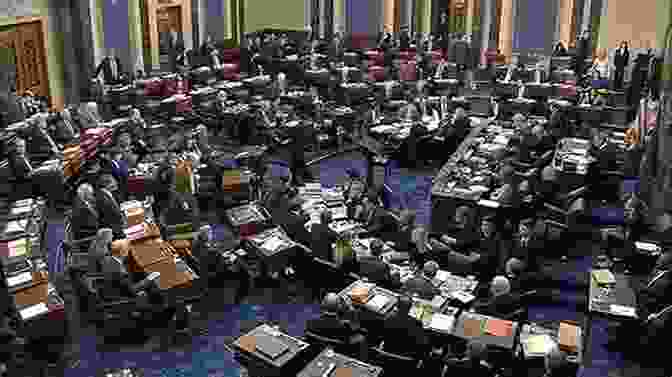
column 169, row 27
column 24, row 59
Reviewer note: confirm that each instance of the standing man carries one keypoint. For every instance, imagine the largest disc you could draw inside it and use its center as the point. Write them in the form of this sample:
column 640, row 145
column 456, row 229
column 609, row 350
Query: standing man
column 583, row 52
column 621, row 61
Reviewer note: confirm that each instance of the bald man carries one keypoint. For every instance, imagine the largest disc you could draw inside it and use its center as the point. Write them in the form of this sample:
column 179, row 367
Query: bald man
column 421, row 284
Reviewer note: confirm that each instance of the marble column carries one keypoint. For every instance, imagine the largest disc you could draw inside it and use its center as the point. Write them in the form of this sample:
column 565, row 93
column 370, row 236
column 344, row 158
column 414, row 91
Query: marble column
column 116, row 29
column 339, row 17
column 469, row 27
column 564, row 24
column 388, row 22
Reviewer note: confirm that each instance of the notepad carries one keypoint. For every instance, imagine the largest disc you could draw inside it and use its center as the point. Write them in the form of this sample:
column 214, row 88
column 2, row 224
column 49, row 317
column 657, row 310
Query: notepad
column 626, row 311
column 538, row 345
column 462, row 297
column 442, row 322
column 604, row 277
column 442, row 275
column 499, row 327
column 19, row 279
column 33, row 311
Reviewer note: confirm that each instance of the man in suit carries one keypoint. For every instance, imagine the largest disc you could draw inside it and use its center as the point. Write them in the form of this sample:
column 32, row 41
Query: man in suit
column 621, row 61
column 501, row 302
column 557, row 365
column 490, row 248
column 330, row 324
column 526, row 246
column 372, row 267
column 322, row 237
column 558, row 125
column 606, row 153
column 472, row 364
column 403, row 334
column 404, row 39
column 11, row 110
column 583, row 52
column 110, row 214
column 462, row 53
column 653, row 294
column 421, row 284
column 118, row 282
column 454, row 134
column 111, row 69
column 377, row 221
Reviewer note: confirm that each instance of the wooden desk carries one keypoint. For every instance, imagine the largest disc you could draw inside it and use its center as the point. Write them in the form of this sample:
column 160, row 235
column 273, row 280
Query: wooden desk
column 170, row 277
column 247, row 346
column 145, row 255
column 506, row 342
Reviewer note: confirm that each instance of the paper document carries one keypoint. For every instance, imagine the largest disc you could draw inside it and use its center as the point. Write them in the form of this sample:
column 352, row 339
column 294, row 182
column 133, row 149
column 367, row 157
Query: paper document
column 19, row 279
column 442, row 322
column 646, row 246
column 442, row 275
column 33, row 311
column 378, row 302
column 463, row 297
column 273, row 243
column 538, row 345
column 626, row 311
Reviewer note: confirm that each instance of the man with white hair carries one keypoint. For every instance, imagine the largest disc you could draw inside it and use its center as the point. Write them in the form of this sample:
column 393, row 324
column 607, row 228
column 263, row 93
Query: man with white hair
column 501, row 302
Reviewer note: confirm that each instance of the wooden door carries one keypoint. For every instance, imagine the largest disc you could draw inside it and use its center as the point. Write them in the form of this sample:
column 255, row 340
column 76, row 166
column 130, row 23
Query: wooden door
column 26, row 40
column 397, row 16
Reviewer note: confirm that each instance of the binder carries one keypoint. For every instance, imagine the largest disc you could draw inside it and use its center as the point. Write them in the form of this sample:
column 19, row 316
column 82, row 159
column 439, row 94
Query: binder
column 569, row 337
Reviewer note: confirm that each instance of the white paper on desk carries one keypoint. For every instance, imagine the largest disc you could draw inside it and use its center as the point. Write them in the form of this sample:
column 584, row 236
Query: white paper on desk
column 463, row 297
column 442, row 322
column 488, row 203
column 338, row 213
column 626, row 311
column 378, row 302
column 19, row 279
column 501, row 139
column 33, row 311
column 442, row 275
column 273, row 243
column 647, row 246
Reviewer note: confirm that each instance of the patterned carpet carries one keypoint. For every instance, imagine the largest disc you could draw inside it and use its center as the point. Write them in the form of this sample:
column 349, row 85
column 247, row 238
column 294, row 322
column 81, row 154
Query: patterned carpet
column 220, row 321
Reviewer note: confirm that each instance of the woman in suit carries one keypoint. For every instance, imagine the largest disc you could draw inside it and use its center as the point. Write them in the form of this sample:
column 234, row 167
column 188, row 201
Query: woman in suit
column 621, row 61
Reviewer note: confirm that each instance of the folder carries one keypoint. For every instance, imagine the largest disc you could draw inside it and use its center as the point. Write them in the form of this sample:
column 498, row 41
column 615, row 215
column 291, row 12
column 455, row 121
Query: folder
column 473, row 327
column 569, row 337
column 499, row 327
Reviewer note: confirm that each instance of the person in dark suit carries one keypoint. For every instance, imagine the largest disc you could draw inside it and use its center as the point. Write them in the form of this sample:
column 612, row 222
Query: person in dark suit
column 299, row 140
column 421, row 284
column 403, row 334
column 322, row 237
column 403, row 241
column 404, row 39
column 84, row 220
column 621, row 61
column 491, row 248
column 521, row 281
column 377, row 221
column 110, row 214
column 246, row 54
column 527, row 245
column 464, row 237
column 372, row 267
column 18, row 161
column 558, row 124
column 655, row 75
column 454, row 134
column 111, row 69
column 331, row 324
column 607, row 154
column 472, row 364
column 583, row 52
column 462, row 53
column 557, row 365
column 444, row 33
column 118, row 281
column 11, row 110
column 653, row 294
column 501, row 302
column 559, row 49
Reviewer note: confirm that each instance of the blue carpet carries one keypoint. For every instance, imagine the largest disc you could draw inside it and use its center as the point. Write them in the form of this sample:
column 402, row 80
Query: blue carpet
column 55, row 233
column 409, row 192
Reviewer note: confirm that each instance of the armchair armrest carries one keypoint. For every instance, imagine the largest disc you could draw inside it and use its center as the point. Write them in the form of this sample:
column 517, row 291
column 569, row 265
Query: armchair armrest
column 614, row 173
column 555, row 209
column 556, row 224
column 574, row 194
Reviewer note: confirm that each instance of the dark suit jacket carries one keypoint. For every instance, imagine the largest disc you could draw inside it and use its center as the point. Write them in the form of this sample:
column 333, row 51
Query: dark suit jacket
column 462, row 53
column 84, row 221
column 110, row 213
column 653, row 295
column 322, row 237
column 405, row 336
column 330, row 326
column 621, row 59
column 421, row 286
column 374, row 269
column 499, row 306
column 453, row 136
column 607, row 157
column 493, row 254
column 530, row 254
column 467, row 240
column 381, row 223
column 465, row 367
column 404, row 42
column 20, row 167
column 106, row 68
column 118, row 282
column 10, row 110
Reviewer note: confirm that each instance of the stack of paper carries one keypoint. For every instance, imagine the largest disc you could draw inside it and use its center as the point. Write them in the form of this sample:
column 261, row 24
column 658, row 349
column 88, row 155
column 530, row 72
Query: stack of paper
column 34, row 311
column 603, row 277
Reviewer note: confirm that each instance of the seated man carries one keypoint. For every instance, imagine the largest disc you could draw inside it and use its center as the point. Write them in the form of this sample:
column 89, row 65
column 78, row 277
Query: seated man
column 372, row 267
column 491, row 248
column 330, row 324
column 520, row 280
column 501, row 302
column 107, row 205
column 557, row 365
column 118, row 282
column 421, row 284
column 653, row 294
column 323, row 237
column 403, row 334
column 472, row 364
column 377, row 221
column 465, row 236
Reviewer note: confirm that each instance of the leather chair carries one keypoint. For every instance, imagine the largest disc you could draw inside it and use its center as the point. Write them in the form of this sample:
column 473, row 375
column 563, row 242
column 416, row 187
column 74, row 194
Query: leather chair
column 394, row 364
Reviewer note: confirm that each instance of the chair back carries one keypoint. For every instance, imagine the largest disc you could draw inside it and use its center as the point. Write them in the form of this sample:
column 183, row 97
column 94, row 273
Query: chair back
column 394, row 364
column 324, row 342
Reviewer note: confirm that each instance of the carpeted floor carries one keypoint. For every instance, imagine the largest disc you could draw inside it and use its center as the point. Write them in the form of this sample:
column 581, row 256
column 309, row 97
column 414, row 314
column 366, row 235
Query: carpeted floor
column 207, row 355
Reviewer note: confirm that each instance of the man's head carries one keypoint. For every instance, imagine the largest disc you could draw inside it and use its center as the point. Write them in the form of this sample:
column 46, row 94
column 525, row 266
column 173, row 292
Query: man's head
column 538, row 131
column 500, row 286
column 430, row 269
column 332, row 304
column 19, row 146
column 460, row 113
column 376, row 247
column 520, row 122
column 462, row 216
column 204, row 232
column 404, row 304
column 514, row 267
column 664, row 222
column 488, row 226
